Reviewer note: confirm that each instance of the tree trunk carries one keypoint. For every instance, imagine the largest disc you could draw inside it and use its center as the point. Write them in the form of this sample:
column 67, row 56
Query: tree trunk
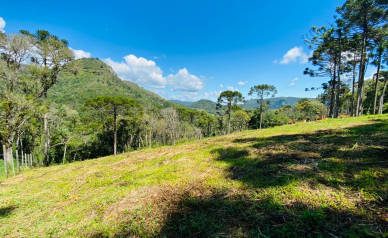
column 5, row 161
column 377, row 84
column 382, row 97
column 150, row 143
column 332, row 97
column 361, row 76
column 17, row 160
column 64, row 154
column 229, row 112
column 21, row 152
column 46, row 161
column 261, row 108
column 352, row 113
column 114, row 131
column 337, row 98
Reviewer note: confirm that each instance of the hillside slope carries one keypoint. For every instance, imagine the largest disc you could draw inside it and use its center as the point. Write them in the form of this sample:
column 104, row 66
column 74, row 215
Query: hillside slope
column 98, row 79
column 326, row 178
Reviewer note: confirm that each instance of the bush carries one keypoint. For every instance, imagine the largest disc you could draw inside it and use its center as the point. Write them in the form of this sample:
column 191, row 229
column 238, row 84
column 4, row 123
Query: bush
column 279, row 120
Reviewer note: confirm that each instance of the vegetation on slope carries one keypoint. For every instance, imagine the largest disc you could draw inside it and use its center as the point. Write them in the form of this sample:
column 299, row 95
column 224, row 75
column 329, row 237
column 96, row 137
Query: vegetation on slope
column 323, row 179
column 275, row 103
column 252, row 104
column 98, row 79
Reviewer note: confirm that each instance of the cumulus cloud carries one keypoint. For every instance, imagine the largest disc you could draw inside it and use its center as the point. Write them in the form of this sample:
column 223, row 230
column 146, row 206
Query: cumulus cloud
column 184, row 81
column 230, row 88
column 184, row 96
column 212, row 94
column 2, row 24
column 293, row 82
column 78, row 54
column 139, row 70
column 294, row 55
column 221, row 85
column 242, row 83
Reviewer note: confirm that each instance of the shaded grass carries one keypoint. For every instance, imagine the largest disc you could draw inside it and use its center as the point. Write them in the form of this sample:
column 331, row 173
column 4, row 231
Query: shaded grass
column 321, row 179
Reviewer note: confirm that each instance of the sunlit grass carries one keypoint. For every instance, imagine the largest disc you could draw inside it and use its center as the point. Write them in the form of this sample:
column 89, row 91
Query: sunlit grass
column 325, row 178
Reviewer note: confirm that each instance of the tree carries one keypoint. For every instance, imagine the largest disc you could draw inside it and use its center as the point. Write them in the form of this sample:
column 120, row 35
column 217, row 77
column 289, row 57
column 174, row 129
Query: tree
column 381, row 104
column 51, row 56
column 104, row 106
column 16, row 101
column 240, row 119
column 363, row 17
column 171, row 117
column 310, row 108
column 381, row 44
column 231, row 99
column 263, row 90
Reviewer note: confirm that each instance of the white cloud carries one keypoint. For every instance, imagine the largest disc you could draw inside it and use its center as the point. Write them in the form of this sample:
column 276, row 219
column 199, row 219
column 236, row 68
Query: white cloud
column 2, row 24
column 182, row 85
column 242, row 83
column 221, row 85
column 78, row 54
column 230, row 88
column 212, row 94
column 184, row 96
column 294, row 55
column 139, row 70
column 184, row 81
column 293, row 82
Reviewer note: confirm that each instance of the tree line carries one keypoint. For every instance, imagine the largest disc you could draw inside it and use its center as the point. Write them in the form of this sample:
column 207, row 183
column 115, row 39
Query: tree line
column 34, row 131
column 342, row 51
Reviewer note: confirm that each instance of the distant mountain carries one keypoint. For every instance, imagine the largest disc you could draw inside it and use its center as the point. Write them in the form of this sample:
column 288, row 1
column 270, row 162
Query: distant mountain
column 184, row 103
column 98, row 79
column 210, row 106
column 204, row 104
column 275, row 103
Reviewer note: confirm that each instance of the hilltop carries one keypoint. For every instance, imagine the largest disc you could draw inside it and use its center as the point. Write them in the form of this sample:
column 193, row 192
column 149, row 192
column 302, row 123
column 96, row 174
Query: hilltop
column 326, row 178
column 98, row 79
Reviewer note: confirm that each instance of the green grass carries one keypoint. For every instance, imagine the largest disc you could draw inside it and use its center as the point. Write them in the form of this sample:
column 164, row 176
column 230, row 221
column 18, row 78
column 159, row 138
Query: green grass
column 321, row 179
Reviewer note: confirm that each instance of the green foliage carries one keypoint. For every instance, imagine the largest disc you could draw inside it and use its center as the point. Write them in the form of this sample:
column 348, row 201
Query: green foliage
column 203, row 104
column 95, row 78
column 310, row 108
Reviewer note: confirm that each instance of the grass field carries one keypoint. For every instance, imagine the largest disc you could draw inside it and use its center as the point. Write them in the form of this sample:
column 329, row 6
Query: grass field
column 320, row 179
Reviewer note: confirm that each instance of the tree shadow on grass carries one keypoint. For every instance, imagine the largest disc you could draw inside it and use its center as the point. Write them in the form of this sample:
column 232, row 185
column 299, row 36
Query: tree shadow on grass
column 353, row 159
column 6, row 211
column 217, row 216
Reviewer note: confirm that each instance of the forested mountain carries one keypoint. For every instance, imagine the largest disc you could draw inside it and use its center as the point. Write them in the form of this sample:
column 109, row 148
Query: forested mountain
column 95, row 78
column 210, row 106
column 184, row 103
column 204, row 104
column 275, row 103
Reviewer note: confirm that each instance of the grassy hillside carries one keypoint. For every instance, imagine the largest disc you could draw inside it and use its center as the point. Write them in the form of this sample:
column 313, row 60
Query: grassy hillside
column 320, row 179
column 98, row 79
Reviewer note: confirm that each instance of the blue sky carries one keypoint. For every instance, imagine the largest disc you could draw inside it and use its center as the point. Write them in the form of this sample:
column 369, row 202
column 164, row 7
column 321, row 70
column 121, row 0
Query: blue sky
column 187, row 50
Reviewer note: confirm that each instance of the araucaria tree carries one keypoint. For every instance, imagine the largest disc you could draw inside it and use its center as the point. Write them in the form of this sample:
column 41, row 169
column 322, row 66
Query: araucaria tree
column 51, row 56
column 363, row 17
column 106, row 106
column 263, row 90
column 231, row 99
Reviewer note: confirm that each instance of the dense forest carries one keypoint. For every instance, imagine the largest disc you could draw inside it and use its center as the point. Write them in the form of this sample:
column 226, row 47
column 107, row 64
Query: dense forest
column 55, row 109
